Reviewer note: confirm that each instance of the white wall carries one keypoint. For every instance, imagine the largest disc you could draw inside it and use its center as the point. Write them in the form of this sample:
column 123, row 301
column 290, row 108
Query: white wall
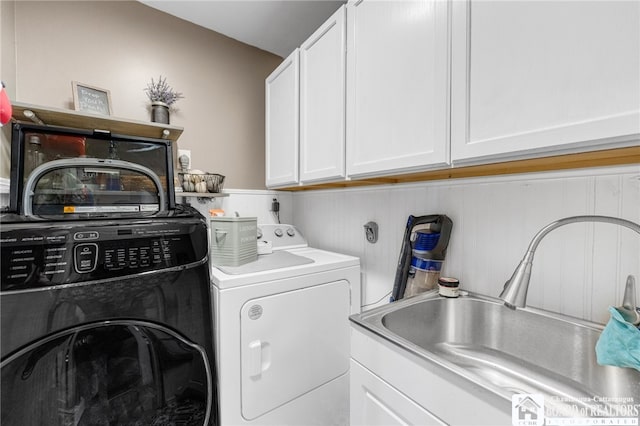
column 4, row 193
column 579, row 269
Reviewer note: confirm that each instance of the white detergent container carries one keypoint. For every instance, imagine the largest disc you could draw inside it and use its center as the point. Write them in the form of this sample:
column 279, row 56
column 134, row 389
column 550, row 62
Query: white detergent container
column 233, row 240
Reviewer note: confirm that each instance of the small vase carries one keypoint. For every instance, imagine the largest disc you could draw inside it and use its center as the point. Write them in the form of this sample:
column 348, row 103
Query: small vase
column 159, row 112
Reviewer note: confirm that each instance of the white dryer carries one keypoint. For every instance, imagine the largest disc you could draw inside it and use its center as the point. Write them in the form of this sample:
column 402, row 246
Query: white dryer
column 282, row 333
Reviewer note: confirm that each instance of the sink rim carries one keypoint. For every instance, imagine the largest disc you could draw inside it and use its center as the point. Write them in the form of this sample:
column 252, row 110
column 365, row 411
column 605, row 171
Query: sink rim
column 375, row 315
column 372, row 321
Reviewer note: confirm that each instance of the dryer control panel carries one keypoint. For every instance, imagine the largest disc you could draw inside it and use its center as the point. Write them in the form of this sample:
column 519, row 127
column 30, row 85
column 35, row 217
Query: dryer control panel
column 42, row 255
column 281, row 236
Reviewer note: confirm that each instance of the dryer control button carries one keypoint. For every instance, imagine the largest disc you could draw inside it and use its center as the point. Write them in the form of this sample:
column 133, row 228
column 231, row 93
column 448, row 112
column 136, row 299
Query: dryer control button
column 291, row 232
column 278, row 232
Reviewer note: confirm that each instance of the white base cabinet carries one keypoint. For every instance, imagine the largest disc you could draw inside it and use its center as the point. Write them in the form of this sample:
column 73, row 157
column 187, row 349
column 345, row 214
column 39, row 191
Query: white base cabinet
column 376, row 403
column 537, row 77
column 397, row 86
column 392, row 386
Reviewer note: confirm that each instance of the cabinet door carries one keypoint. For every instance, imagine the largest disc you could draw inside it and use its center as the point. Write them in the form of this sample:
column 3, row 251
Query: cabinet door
column 282, row 103
column 538, row 76
column 374, row 402
column 397, row 86
column 322, row 102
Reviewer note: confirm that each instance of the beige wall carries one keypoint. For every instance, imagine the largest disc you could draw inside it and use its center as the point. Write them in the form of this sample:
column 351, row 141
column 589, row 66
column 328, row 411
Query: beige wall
column 120, row 46
column 7, row 74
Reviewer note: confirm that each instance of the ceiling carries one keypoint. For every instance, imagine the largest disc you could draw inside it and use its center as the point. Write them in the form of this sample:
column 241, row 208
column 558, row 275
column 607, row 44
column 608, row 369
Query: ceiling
column 277, row 26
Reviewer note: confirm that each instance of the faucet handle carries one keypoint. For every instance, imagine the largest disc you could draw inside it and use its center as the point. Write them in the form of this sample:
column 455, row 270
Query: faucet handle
column 629, row 310
column 629, row 298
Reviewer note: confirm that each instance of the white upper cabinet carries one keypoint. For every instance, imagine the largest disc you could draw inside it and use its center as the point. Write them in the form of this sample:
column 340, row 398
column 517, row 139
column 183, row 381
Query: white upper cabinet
column 531, row 77
column 322, row 102
column 397, row 86
column 282, row 121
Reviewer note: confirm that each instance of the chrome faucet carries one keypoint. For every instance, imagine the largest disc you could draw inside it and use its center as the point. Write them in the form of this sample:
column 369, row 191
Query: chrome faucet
column 515, row 290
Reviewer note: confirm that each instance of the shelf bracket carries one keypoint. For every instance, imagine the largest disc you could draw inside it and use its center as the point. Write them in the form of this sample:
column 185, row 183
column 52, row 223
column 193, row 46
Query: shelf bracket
column 33, row 117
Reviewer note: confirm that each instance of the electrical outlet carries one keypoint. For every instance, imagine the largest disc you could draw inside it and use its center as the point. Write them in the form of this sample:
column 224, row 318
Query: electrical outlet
column 181, row 154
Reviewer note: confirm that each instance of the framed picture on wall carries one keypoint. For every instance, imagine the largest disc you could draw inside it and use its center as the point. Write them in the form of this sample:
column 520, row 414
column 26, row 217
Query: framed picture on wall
column 91, row 99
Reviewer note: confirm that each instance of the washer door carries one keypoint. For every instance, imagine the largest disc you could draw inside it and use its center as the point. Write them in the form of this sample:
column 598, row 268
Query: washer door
column 108, row 373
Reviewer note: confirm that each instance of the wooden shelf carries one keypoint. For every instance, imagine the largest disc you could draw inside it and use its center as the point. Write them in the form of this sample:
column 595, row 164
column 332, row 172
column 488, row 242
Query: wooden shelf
column 85, row 120
column 609, row 157
column 202, row 194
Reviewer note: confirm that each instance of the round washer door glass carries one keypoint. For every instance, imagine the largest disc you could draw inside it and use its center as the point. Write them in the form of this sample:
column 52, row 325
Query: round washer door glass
column 115, row 373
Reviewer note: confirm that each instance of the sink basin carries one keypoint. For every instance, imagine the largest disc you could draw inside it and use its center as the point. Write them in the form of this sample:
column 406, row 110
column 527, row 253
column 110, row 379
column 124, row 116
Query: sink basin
column 524, row 351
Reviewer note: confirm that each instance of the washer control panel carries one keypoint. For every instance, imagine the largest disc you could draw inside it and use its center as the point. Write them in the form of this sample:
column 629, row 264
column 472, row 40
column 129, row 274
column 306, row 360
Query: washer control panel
column 281, row 236
column 42, row 256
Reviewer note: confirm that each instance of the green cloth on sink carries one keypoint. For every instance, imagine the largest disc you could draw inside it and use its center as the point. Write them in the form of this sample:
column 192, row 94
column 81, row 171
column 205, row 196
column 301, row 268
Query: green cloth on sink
column 619, row 343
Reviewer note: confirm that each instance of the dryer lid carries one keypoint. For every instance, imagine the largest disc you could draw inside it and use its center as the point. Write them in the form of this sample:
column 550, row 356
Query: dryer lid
column 266, row 262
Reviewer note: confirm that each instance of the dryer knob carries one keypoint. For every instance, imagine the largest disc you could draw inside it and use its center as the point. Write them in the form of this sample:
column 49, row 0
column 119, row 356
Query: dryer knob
column 278, row 232
column 259, row 233
column 291, row 232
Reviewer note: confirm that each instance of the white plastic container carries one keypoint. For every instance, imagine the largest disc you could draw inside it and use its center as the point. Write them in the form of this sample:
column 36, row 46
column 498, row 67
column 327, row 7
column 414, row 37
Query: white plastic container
column 233, row 241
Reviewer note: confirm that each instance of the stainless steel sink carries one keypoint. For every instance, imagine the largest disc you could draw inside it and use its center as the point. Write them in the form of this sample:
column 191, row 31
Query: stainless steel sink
column 524, row 351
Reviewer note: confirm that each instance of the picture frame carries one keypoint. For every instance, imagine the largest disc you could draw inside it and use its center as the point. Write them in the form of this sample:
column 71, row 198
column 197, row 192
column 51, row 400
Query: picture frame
column 91, row 99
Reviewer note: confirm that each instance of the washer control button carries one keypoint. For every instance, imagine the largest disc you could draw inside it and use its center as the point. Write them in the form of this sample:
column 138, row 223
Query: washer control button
column 278, row 232
column 85, row 257
column 88, row 235
column 291, row 232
